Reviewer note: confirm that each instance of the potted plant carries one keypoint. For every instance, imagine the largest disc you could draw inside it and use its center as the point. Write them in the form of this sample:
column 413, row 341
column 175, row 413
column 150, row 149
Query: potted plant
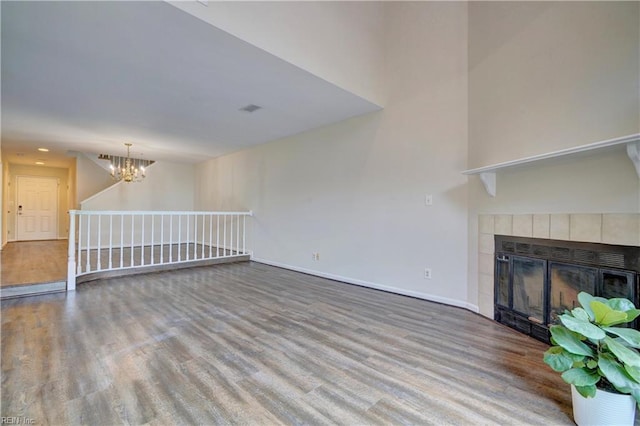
column 600, row 361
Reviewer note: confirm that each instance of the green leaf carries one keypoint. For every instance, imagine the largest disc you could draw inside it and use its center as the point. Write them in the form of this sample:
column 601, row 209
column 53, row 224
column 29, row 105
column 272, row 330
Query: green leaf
column 585, row 300
column 620, row 304
column 580, row 377
column 580, row 314
column 558, row 359
column 587, row 391
column 617, row 375
column 631, row 336
column 634, row 372
column 582, row 327
column 591, row 364
column 624, row 354
column 570, row 341
column 605, row 315
column 632, row 314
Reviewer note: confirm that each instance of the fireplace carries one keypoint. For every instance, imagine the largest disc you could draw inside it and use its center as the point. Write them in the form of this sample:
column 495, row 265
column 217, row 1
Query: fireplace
column 538, row 279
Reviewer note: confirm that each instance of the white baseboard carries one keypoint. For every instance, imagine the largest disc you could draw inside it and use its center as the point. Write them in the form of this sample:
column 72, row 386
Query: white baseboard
column 416, row 294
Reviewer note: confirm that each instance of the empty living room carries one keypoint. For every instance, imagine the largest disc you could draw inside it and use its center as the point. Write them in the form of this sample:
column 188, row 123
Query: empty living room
column 318, row 212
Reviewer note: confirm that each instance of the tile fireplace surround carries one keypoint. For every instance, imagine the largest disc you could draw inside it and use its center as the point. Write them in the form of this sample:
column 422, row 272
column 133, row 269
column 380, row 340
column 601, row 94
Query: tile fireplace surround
column 608, row 228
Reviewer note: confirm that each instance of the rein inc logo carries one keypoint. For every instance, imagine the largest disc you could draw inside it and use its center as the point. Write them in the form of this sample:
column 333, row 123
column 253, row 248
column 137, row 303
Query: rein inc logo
column 16, row 420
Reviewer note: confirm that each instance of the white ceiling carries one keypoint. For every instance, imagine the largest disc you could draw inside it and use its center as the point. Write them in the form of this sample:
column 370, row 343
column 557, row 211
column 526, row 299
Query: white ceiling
column 89, row 76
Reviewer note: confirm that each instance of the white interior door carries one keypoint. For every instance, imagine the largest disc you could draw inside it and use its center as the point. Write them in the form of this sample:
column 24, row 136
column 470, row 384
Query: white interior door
column 37, row 202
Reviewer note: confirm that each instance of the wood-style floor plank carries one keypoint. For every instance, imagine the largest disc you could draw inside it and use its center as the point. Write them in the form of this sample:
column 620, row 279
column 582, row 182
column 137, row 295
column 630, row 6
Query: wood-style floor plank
column 33, row 262
column 247, row 343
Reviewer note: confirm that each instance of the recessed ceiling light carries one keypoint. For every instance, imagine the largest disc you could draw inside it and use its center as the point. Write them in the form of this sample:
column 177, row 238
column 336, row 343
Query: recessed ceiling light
column 40, row 163
column 43, row 149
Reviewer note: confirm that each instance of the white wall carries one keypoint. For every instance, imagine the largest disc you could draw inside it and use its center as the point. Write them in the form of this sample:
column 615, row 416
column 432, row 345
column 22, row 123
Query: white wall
column 337, row 41
column 550, row 75
column 168, row 186
column 90, row 178
column 355, row 191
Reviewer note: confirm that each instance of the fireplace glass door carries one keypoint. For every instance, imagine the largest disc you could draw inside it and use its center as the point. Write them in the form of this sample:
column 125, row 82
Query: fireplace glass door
column 565, row 282
column 502, row 281
column 617, row 284
column 528, row 287
column 536, row 280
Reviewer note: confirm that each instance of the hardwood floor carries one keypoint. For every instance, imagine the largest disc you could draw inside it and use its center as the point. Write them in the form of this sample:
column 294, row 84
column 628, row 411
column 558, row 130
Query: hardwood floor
column 33, row 262
column 247, row 343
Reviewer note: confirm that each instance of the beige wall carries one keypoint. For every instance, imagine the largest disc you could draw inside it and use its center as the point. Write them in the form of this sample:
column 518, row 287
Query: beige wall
column 604, row 182
column 355, row 191
column 73, row 187
column 550, row 75
column 90, row 178
column 5, row 201
column 337, row 41
column 168, row 186
column 63, row 195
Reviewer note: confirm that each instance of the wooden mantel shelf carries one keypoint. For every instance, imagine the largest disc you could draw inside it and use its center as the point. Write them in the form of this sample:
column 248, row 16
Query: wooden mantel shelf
column 488, row 173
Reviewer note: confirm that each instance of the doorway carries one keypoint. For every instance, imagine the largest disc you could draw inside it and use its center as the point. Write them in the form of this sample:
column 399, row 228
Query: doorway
column 37, row 208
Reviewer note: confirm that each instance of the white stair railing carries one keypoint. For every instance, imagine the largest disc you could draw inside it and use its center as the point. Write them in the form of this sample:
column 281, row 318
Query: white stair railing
column 116, row 240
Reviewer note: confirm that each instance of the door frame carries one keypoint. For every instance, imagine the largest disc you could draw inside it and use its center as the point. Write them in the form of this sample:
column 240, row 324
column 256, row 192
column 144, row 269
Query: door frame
column 15, row 199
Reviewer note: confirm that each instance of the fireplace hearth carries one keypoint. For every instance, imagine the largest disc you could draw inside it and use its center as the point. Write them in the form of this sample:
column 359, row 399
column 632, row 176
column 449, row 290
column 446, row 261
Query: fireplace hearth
column 538, row 279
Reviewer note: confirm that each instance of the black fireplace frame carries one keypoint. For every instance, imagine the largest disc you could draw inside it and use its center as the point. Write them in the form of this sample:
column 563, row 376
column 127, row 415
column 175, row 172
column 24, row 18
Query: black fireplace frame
column 605, row 258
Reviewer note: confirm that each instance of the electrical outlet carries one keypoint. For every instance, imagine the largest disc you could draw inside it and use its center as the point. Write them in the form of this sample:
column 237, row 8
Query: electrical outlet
column 427, row 273
column 315, row 256
column 428, row 200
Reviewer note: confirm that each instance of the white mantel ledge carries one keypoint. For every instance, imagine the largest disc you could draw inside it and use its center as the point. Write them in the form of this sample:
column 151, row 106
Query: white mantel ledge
column 487, row 174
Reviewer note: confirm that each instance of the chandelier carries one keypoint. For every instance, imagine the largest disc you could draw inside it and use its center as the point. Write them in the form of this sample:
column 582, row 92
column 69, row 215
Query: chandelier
column 126, row 168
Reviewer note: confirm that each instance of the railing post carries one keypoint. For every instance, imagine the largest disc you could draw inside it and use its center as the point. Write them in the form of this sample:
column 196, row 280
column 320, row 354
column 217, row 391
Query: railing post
column 244, row 234
column 210, row 234
column 237, row 234
column 88, row 244
column 98, row 255
column 217, row 235
column 71, row 265
column 202, row 241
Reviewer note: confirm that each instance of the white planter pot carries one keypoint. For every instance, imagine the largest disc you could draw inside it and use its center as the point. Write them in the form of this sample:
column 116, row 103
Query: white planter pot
column 605, row 408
